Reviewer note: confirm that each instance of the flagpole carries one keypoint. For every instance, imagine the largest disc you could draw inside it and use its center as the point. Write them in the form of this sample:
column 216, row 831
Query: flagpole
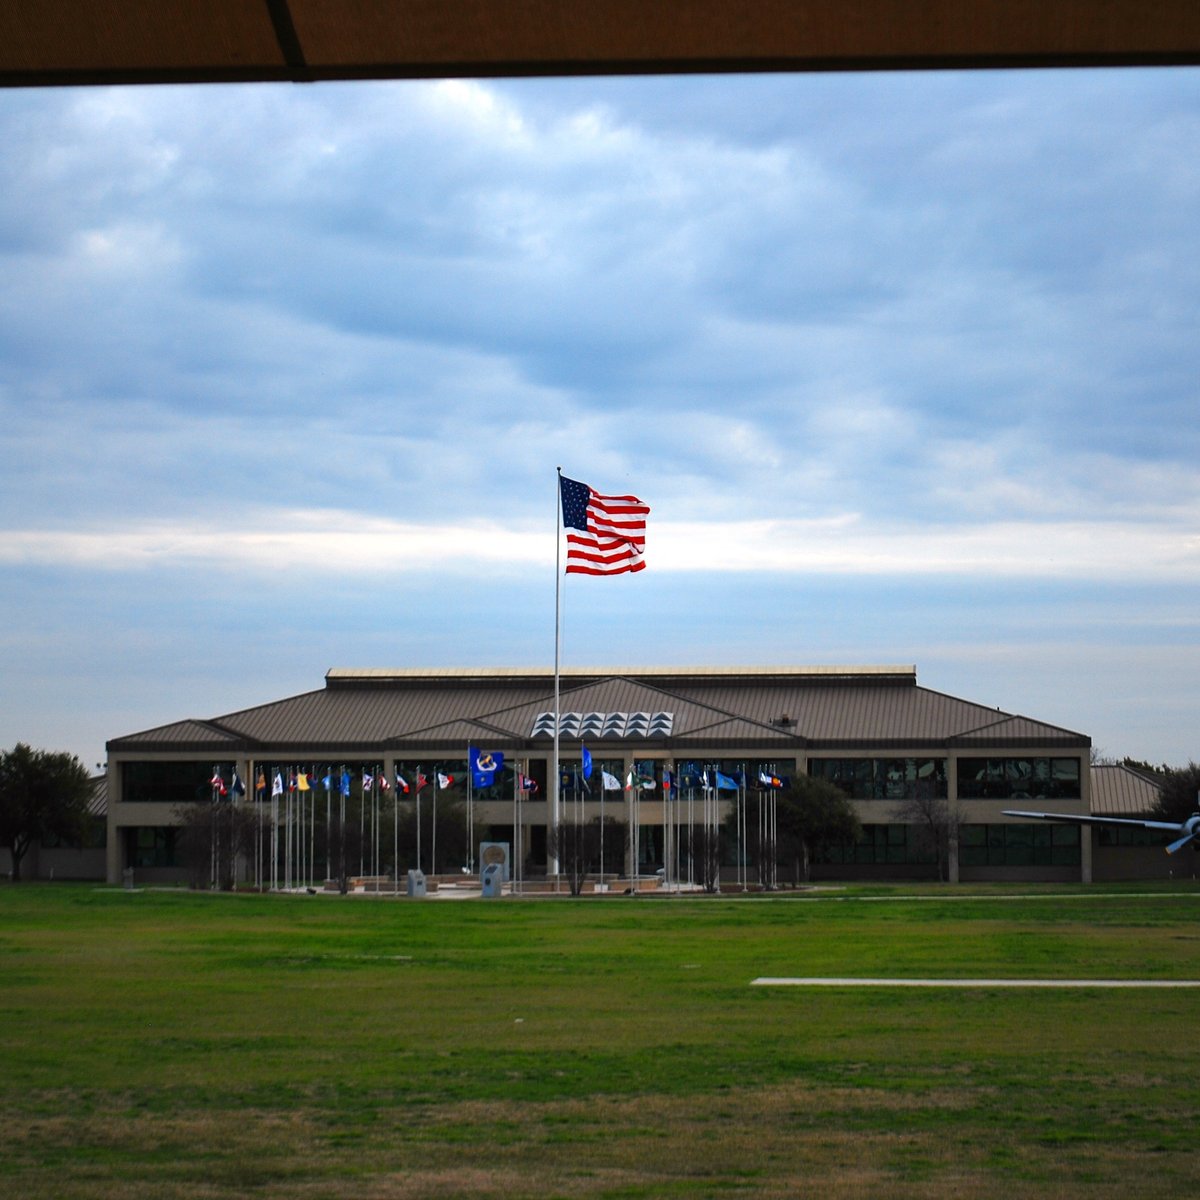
column 602, row 886
column 552, row 860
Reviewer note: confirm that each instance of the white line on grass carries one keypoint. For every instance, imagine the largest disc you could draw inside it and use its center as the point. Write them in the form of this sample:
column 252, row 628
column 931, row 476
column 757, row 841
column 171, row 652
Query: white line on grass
column 820, row 981
column 825, row 898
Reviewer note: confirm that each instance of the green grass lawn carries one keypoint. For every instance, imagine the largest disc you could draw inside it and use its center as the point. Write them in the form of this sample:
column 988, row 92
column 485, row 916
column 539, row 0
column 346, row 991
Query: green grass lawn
column 168, row 1044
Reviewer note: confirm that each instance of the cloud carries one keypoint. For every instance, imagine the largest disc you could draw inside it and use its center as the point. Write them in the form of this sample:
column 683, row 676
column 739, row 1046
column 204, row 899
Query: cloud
column 850, row 336
column 277, row 541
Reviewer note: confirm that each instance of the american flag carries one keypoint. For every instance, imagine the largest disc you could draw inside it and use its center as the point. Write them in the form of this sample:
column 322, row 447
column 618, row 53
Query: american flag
column 611, row 537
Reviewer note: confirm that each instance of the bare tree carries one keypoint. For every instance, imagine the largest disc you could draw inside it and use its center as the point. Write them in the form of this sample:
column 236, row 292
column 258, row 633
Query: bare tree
column 576, row 845
column 705, row 844
column 937, row 819
column 215, row 837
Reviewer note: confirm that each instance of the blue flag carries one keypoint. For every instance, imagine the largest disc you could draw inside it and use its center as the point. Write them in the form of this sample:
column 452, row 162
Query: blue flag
column 587, row 763
column 484, row 766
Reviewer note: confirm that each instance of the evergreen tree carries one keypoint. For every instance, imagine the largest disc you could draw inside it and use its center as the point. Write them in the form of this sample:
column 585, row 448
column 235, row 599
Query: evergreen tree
column 42, row 795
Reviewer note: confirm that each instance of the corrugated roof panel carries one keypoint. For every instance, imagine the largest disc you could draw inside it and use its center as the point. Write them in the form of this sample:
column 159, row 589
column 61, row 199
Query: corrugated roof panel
column 389, row 712
column 841, row 714
column 97, row 805
column 189, row 731
column 1007, row 731
column 1118, row 791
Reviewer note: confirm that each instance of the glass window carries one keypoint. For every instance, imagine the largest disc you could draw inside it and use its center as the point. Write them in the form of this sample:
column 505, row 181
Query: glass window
column 151, row 846
column 650, row 846
column 1018, row 845
column 1018, row 778
column 882, row 845
column 170, row 782
column 883, row 778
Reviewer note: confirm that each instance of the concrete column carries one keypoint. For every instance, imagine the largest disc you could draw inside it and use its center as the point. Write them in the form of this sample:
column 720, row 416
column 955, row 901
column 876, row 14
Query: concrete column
column 1085, row 831
column 952, row 801
column 114, row 853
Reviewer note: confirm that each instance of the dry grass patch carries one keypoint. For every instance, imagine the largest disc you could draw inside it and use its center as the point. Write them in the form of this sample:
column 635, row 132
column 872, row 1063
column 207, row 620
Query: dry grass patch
column 786, row 1140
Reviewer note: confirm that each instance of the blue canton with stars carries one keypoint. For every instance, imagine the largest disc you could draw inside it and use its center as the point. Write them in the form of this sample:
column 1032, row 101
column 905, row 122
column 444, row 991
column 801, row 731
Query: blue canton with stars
column 575, row 498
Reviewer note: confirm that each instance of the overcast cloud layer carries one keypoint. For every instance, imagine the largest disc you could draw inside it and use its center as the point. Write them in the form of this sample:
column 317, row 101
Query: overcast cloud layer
column 906, row 366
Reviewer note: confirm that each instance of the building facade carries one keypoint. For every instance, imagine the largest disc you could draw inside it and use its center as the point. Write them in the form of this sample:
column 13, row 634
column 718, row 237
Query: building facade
column 1124, row 851
column 896, row 748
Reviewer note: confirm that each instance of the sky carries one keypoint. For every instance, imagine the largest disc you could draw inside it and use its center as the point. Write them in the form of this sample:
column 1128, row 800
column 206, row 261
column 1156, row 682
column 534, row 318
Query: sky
column 905, row 365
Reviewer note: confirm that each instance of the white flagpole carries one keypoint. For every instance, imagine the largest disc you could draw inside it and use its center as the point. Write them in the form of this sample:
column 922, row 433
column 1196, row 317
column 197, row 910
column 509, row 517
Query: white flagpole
column 743, row 827
column 552, row 860
column 670, row 872
column 470, row 812
column 274, row 835
column 602, row 884
column 395, row 828
column 287, row 856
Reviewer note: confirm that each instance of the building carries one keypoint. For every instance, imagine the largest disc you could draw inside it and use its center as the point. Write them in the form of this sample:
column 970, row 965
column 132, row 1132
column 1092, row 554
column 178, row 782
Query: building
column 890, row 743
column 1124, row 851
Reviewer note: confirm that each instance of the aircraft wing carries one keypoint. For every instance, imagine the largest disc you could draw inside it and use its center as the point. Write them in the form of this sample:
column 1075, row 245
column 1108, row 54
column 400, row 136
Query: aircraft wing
column 1169, row 826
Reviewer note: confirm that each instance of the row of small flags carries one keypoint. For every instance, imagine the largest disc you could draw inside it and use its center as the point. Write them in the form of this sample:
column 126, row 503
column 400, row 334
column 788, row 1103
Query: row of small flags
column 483, row 766
column 704, row 778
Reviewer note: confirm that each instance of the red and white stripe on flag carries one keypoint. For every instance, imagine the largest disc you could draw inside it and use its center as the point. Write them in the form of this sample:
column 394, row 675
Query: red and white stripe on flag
column 615, row 540
column 621, row 517
column 590, row 554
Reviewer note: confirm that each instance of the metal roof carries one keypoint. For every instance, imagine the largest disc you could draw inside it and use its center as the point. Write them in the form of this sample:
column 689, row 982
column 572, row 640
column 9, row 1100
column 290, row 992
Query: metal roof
column 357, row 676
column 58, row 42
column 1119, row 791
column 777, row 710
column 97, row 805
